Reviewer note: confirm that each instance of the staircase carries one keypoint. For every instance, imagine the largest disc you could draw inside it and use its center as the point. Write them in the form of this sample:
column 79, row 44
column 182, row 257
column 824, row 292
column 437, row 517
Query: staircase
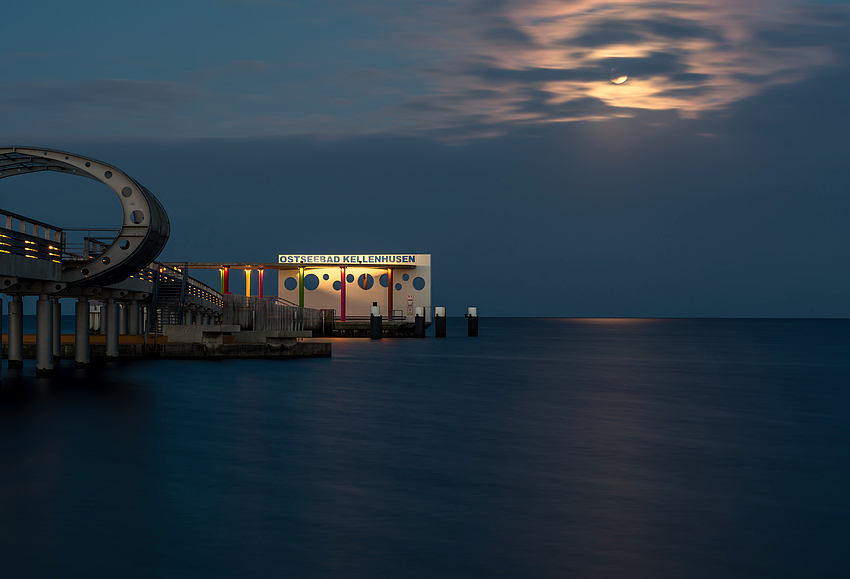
column 168, row 302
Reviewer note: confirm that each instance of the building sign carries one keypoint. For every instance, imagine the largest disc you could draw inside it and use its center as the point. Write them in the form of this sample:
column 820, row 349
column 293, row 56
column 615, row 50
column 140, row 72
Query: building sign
column 347, row 259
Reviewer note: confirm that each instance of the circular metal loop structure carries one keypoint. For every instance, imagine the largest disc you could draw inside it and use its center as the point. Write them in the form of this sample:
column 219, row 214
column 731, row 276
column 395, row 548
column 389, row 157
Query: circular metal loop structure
column 145, row 227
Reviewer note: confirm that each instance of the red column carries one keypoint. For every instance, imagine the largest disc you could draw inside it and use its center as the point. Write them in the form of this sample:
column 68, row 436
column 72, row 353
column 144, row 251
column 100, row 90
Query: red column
column 342, row 294
column 261, row 282
column 226, row 280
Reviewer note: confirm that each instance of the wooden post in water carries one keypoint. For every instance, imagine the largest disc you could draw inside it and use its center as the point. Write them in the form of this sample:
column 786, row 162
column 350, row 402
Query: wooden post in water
column 440, row 322
column 419, row 323
column 376, row 329
column 472, row 322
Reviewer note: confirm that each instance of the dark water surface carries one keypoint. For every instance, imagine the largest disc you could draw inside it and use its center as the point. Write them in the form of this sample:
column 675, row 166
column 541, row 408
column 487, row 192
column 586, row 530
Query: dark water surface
column 544, row 448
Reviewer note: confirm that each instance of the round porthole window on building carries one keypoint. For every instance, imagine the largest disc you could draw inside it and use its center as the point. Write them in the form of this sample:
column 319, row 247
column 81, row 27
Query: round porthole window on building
column 405, row 277
column 398, row 287
column 337, row 285
column 349, row 278
column 290, row 283
column 385, row 280
column 418, row 284
column 311, row 281
column 326, row 277
column 365, row 281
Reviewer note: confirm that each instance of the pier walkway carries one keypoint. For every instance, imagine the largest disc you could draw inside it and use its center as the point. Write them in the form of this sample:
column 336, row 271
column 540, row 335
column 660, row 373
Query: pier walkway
column 117, row 267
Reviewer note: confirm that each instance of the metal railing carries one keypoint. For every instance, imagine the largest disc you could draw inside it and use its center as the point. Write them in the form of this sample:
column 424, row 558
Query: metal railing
column 32, row 227
column 32, row 238
column 171, row 292
column 281, row 301
column 16, row 243
column 394, row 316
column 194, row 288
column 262, row 314
column 83, row 244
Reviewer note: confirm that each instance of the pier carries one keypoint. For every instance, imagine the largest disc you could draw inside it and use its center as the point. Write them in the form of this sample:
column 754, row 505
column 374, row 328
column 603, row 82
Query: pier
column 141, row 299
column 344, row 288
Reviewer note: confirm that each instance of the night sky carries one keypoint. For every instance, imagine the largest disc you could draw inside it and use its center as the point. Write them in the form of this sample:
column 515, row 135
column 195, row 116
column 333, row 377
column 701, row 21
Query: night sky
column 491, row 134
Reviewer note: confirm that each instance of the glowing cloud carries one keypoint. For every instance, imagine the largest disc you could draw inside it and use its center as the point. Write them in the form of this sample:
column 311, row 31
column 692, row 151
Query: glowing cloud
column 538, row 61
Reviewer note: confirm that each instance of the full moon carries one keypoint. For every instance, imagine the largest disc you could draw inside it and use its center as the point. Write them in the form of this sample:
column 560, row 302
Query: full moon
column 619, row 79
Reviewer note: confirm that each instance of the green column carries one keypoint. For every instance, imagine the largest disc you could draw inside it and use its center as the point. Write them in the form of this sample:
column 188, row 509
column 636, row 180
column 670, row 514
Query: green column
column 300, row 287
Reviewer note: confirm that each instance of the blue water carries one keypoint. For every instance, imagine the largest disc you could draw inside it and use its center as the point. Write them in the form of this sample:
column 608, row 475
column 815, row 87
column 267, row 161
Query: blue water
column 543, row 448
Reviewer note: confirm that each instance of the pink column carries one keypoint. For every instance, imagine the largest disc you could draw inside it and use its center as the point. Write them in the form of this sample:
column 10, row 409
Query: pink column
column 342, row 294
column 390, row 294
column 261, row 281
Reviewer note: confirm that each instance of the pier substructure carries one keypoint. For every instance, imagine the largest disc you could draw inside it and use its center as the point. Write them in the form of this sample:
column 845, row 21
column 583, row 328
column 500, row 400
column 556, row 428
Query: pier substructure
column 57, row 330
column 16, row 332
column 81, row 334
column 134, row 315
column 122, row 319
column 111, row 328
column 44, row 336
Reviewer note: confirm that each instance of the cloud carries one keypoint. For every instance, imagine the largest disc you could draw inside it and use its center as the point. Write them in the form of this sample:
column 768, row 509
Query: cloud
column 99, row 93
column 507, row 32
column 444, row 68
column 689, row 58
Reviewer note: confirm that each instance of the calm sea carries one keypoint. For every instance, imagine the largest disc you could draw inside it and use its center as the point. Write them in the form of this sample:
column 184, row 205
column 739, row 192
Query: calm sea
column 544, row 448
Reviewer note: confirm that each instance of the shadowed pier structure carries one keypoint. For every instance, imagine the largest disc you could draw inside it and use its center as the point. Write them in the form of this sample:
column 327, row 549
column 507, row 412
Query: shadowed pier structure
column 118, row 268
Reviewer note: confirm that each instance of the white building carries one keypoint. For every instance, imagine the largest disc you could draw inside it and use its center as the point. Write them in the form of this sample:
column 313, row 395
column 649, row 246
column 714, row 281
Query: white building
column 350, row 284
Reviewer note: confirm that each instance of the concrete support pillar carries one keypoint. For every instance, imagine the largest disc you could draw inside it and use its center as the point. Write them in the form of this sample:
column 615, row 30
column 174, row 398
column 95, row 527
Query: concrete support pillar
column 134, row 314
column 16, row 332
column 81, row 333
column 188, row 318
column 122, row 319
column 102, row 330
column 111, row 320
column 57, row 330
column 44, row 336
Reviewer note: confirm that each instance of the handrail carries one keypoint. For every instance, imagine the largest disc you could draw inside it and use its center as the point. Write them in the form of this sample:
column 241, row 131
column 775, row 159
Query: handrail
column 28, row 220
column 281, row 301
column 16, row 243
column 393, row 319
column 145, row 227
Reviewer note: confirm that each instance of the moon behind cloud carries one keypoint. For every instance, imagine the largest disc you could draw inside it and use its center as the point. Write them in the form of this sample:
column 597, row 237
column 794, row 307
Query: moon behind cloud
column 619, row 79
